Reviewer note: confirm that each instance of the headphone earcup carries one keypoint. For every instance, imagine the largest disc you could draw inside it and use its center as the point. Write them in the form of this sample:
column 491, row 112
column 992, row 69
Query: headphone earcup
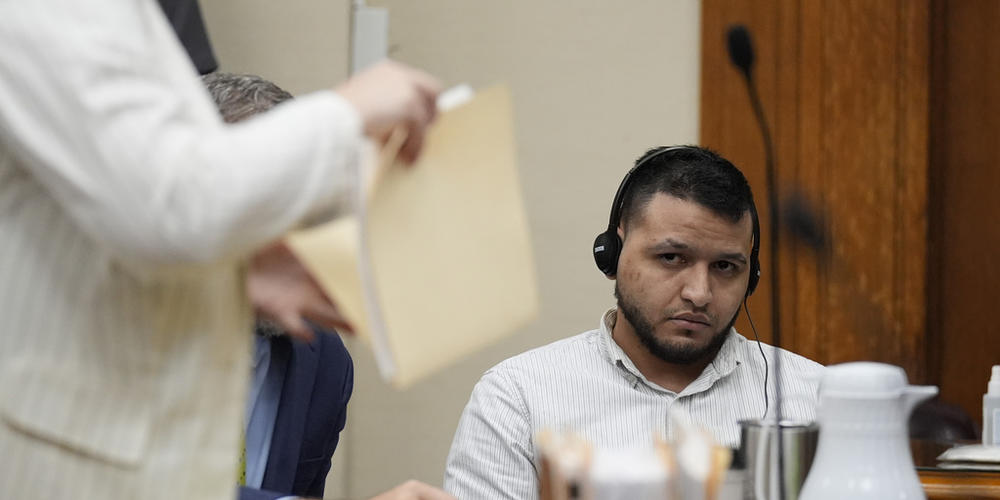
column 607, row 245
column 754, row 277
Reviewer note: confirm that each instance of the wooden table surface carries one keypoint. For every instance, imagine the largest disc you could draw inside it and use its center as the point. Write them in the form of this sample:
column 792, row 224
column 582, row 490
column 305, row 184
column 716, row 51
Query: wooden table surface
column 950, row 483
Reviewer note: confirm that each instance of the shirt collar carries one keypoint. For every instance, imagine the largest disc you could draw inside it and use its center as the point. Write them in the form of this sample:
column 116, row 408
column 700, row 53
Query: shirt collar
column 726, row 360
column 612, row 351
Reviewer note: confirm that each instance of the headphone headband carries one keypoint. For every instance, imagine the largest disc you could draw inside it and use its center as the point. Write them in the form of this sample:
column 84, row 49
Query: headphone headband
column 616, row 205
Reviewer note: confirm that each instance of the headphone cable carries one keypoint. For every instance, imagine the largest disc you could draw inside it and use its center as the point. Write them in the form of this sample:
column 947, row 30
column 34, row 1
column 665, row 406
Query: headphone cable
column 761, row 348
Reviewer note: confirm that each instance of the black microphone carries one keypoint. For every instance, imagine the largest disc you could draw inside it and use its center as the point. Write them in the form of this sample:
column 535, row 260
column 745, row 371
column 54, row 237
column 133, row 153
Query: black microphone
column 740, row 49
column 741, row 54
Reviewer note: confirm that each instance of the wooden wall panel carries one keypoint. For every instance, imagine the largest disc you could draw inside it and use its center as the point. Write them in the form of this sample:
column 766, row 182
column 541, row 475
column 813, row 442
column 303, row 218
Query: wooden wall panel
column 844, row 84
column 912, row 192
column 726, row 113
column 964, row 236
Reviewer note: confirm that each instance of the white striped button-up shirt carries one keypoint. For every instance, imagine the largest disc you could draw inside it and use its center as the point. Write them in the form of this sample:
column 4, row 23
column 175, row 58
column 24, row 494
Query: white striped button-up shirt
column 126, row 210
column 588, row 385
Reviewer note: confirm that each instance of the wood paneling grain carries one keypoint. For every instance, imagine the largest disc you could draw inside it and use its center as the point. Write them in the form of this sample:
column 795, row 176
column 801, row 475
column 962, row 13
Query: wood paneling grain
column 964, row 236
column 844, row 85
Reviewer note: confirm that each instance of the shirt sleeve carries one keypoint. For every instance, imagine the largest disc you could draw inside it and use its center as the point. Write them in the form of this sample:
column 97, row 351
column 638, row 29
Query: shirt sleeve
column 99, row 103
column 491, row 455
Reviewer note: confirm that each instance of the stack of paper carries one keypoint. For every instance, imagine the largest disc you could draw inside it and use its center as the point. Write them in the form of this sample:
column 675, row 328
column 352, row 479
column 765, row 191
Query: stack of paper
column 971, row 457
column 438, row 262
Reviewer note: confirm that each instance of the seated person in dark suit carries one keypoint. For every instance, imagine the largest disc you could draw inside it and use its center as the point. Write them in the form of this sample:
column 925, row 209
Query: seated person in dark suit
column 297, row 403
column 302, row 406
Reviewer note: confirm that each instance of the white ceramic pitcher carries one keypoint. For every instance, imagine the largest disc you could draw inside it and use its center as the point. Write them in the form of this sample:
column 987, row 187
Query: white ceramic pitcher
column 864, row 448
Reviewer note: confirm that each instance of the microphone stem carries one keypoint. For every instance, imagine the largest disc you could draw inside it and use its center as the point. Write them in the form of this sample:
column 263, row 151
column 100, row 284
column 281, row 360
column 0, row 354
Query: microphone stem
column 774, row 214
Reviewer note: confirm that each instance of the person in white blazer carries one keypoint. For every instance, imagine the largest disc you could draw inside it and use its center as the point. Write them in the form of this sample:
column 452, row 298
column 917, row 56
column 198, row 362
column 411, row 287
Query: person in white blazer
column 129, row 217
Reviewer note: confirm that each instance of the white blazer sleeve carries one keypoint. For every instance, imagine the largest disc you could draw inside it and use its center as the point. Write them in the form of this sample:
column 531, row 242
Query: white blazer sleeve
column 100, row 104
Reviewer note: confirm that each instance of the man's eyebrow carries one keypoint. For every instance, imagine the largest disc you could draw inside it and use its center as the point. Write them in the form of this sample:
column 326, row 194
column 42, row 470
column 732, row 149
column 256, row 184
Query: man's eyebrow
column 670, row 244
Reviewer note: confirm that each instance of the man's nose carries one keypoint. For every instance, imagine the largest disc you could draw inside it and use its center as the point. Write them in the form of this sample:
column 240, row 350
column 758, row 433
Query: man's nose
column 697, row 289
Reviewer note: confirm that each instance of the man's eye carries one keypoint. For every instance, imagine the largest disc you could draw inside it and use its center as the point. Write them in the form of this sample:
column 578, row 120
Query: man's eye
column 725, row 266
column 671, row 258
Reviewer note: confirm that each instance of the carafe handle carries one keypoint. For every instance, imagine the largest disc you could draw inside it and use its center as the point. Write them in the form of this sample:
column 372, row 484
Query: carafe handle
column 916, row 394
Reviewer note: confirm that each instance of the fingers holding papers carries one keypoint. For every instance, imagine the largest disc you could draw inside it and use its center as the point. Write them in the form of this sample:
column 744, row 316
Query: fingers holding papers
column 282, row 290
column 391, row 96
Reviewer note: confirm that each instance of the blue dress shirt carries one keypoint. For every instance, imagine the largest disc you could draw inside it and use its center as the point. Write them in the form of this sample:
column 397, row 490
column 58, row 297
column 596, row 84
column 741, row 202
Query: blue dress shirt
column 262, row 408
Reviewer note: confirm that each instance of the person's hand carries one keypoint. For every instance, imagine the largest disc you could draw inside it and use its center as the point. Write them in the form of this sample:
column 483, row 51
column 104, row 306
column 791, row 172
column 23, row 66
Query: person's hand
column 282, row 291
column 414, row 490
column 391, row 96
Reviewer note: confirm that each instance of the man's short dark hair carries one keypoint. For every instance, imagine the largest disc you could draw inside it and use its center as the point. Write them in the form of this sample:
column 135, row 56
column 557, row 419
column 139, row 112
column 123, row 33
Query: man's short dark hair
column 690, row 173
column 242, row 96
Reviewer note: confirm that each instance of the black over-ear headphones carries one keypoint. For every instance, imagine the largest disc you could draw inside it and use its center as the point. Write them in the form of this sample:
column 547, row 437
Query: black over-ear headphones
column 608, row 246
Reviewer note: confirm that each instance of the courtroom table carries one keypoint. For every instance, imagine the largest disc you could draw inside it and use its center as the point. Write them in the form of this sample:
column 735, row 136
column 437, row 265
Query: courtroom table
column 940, row 483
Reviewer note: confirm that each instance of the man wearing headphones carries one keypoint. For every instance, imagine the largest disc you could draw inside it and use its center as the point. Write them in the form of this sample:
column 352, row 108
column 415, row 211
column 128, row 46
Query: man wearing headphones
column 682, row 245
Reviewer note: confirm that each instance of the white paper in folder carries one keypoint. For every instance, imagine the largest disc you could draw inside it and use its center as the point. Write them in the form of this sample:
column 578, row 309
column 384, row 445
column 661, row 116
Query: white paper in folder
column 437, row 263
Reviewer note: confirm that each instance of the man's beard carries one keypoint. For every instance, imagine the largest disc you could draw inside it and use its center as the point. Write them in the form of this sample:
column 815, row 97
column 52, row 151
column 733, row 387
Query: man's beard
column 663, row 349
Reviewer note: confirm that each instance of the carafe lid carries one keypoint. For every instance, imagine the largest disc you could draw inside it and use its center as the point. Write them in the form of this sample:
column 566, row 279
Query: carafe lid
column 863, row 379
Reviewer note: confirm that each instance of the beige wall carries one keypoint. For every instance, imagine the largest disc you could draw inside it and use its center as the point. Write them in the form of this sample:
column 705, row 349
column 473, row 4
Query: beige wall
column 595, row 83
column 302, row 45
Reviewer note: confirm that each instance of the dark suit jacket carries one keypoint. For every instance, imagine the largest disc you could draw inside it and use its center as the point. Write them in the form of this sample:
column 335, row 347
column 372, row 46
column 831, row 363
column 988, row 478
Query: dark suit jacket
column 319, row 378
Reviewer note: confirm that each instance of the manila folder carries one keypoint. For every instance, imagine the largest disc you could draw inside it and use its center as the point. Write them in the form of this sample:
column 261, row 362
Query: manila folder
column 437, row 263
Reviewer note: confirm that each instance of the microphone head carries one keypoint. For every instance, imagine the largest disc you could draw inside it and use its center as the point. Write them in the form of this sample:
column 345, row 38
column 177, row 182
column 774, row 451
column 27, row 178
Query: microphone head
column 740, row 48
